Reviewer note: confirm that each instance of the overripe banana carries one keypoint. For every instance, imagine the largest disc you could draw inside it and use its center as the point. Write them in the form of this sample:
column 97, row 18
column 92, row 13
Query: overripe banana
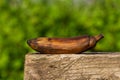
column 64, row 45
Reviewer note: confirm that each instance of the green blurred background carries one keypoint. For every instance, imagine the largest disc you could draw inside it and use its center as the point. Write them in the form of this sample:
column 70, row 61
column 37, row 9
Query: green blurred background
column 21, row 20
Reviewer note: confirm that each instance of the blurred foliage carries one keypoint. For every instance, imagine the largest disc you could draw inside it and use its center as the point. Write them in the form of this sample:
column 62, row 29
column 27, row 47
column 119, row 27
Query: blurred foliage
column 21, row 20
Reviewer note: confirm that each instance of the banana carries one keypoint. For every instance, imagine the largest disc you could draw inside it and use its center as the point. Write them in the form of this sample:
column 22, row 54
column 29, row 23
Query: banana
column 64, row 45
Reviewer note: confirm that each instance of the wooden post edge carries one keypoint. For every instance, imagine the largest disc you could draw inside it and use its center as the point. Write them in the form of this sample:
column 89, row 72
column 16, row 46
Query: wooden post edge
column 92, row 66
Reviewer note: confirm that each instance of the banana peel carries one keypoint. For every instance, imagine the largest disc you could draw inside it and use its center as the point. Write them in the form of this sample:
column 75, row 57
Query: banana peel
column 72, row 45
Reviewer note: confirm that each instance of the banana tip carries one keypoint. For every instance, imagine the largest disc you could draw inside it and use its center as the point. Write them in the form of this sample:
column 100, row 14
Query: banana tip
column 98, row 37
column 28, row 42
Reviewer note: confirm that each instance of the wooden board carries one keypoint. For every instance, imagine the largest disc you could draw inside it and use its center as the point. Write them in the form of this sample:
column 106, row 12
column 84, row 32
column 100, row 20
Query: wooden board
column 88, row 66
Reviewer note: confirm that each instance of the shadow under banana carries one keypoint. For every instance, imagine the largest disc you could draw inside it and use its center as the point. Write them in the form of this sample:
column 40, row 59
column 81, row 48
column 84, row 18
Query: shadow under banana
column 73, row 45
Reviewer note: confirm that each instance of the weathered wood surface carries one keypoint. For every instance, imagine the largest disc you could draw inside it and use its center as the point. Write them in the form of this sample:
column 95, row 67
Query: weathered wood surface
column 100, row 66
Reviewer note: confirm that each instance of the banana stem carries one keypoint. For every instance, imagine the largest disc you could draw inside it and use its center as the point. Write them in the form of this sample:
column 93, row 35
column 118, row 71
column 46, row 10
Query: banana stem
column 98, row 37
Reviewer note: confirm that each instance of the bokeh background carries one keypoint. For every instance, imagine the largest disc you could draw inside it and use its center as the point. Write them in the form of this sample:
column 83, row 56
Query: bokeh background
column 21, row 20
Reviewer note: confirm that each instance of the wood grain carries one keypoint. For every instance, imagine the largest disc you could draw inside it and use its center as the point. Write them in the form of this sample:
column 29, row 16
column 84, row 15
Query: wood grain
column 88, row 66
